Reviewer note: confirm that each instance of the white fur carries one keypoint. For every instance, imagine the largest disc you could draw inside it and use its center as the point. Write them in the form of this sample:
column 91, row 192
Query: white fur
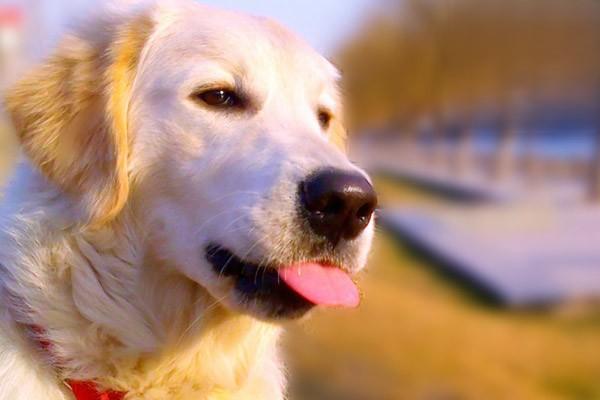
column 133, row 304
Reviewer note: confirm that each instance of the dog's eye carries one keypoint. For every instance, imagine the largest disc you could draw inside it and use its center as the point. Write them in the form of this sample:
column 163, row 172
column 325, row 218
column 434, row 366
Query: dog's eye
column 221, row 98
column 324, row 119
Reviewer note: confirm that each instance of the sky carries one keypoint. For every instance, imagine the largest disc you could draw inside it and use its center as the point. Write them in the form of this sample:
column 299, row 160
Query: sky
column 323, row 23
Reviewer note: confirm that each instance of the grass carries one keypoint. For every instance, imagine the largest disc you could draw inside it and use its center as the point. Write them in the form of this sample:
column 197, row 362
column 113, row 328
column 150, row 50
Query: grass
column 418, row 335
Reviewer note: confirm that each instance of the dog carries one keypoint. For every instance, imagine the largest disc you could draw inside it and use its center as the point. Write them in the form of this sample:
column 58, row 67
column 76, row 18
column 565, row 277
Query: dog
column 184, row 189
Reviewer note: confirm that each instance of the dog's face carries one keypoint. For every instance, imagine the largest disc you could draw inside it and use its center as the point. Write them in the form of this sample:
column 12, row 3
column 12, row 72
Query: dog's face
column 234, row 157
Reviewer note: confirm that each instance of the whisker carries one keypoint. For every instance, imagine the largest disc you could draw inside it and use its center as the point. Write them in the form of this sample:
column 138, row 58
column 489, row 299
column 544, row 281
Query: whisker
column 224, row 267
column 235, row 193
column 213, row 217
column 235, row 220
column 200, row 316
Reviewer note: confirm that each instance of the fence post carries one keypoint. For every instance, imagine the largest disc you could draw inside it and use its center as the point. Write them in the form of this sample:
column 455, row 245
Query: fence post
column 594, row 175
column 463, row 154
column 505, row 157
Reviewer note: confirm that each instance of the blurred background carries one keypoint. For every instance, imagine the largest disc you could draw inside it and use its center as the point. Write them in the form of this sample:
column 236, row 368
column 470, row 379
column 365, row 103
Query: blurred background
column 480, row 122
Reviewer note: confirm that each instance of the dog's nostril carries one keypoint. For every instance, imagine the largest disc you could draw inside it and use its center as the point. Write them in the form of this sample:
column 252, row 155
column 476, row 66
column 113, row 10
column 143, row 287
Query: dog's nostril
column 334, row 205
column 365, row 211
column 337, row 204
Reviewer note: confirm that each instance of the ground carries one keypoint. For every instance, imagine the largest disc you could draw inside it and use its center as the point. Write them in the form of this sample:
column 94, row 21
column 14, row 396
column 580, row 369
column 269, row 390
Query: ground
column 420, row 335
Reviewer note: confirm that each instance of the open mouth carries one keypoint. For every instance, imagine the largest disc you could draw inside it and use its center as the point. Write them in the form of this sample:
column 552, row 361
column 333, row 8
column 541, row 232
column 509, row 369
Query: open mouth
column 285, row 291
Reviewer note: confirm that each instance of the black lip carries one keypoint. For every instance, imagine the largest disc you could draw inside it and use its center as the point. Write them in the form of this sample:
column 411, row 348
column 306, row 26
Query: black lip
column 258, row 284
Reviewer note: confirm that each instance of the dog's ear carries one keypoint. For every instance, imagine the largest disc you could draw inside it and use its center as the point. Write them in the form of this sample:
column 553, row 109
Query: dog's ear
column 71, row 118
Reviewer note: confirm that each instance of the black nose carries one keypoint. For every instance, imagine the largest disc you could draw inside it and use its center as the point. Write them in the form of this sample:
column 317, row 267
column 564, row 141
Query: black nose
column 337, row 204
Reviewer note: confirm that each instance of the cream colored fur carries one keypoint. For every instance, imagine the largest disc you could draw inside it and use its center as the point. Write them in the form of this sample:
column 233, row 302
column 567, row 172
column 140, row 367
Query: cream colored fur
column 124, row 180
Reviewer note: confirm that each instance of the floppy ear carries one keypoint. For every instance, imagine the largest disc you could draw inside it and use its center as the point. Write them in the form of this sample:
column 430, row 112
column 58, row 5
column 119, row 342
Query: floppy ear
column 71, row 114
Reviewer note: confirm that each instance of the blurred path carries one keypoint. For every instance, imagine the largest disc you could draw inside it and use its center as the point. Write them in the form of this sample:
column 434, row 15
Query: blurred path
column 523, row 256
column 523, row 245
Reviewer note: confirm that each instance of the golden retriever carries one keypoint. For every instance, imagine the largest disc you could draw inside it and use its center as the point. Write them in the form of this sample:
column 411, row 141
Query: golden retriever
column 184, row 188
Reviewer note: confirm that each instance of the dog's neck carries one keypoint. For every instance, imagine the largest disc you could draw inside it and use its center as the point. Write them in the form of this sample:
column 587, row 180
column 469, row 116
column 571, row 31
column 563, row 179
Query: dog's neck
column 114, row 312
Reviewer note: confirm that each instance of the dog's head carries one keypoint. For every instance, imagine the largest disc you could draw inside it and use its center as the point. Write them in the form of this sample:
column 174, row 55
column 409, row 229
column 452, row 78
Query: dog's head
column 222, row 132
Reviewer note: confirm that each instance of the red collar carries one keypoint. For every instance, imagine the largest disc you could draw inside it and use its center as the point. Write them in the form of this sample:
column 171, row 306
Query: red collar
column 88, row 391
column 85, row 390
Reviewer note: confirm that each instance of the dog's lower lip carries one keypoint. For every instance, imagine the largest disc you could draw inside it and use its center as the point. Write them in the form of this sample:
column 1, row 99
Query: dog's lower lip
column 228, row 264
column 258, row 284
column 225, row 262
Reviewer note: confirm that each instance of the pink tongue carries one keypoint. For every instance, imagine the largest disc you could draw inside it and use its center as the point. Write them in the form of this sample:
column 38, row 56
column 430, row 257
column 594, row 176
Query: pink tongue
column 322, row 285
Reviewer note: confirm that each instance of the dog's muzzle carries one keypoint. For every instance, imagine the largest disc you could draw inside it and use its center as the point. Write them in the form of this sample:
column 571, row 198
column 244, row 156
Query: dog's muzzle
column 335, row 206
